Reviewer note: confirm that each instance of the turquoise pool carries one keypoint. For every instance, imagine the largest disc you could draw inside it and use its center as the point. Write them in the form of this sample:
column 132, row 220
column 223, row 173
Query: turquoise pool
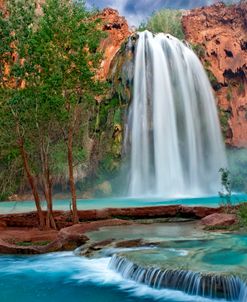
column 86, row 204
column 65, row 277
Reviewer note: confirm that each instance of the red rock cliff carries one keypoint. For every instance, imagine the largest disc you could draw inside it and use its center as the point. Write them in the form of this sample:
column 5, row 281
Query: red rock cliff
column 222, row 31
column 118, row 31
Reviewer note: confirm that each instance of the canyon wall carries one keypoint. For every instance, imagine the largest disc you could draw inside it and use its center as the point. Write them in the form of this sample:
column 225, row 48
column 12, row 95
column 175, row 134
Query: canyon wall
column 117, row 31
column 219, row 36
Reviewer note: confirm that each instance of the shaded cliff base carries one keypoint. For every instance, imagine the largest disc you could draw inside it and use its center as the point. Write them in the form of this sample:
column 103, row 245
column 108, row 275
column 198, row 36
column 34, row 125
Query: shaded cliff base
column 19, row 233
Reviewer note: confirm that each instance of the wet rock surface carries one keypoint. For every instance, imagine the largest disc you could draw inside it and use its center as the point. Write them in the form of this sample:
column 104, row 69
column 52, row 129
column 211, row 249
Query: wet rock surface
column 110, row 246
column 69, row 238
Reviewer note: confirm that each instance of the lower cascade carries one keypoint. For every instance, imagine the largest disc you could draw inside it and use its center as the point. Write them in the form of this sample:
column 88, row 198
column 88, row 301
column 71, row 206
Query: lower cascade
column 176, row 147
column 211, row 285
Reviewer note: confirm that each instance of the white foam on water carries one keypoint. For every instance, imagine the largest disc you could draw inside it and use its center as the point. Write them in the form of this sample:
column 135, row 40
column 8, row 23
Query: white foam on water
column 179, row 252
column 96, row 271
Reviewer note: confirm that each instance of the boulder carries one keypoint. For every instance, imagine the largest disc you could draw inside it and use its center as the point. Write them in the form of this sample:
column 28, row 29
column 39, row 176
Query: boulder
column 219, row 219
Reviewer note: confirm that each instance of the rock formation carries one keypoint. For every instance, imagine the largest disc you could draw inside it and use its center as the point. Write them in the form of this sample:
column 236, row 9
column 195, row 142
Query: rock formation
column 118, row 31
column 219, row 34
column 219, row 220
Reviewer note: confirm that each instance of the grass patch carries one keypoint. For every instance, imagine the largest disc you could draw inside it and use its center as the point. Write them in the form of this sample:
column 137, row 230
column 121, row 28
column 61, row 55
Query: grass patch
column 199, row 50
column 229, row 228
column 29, row 243
column 242, row 215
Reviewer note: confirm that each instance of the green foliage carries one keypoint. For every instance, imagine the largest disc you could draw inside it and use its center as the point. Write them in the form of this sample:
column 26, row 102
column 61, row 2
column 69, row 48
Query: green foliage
column 228, row 228
column 226, row 192
column 224, row 118
column 57, row 60
column 167, row 21
column 241, row 89
column 108, row 164
column 199, row 50
column 212, row 78
column 229, row 93
column 237, row 159
column 118, row 116
column 105, row 109
column 242, row 215
column 29, row 243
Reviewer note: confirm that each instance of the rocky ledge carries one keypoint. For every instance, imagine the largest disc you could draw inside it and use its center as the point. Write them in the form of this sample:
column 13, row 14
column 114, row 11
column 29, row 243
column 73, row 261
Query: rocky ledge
column 66, row 239
column 19, row 233
column 64, row 219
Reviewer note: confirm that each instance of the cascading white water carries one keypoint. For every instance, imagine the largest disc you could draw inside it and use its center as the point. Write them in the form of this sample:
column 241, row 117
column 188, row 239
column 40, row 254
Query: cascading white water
column 227, row 287
column 173, row 127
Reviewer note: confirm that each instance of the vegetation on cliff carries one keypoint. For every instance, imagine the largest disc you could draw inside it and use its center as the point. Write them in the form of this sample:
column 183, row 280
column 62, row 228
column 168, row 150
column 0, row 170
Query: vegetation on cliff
column 167, row 21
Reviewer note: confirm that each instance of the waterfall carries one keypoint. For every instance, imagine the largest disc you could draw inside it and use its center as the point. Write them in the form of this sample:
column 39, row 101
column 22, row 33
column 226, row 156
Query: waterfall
column 230, row 288
column 173, row 128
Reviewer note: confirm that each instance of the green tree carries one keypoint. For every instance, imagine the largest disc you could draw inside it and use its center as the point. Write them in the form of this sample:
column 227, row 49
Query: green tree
column 166, row 21
column 66, row 56
column 55, row 69
column 15, row 31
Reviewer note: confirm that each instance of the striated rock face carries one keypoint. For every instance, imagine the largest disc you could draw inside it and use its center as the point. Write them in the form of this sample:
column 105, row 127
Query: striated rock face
column 118, row 31
column 219, row 34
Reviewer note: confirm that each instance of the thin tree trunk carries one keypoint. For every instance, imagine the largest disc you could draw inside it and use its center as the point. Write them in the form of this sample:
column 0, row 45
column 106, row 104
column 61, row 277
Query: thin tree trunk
column 32, row 184
column 71, row 175
column 47, row 187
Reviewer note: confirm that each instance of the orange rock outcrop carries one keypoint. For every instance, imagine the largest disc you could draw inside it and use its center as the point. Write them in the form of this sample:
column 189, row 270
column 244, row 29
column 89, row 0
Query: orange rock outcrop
column 118, row 31
column 222, row 31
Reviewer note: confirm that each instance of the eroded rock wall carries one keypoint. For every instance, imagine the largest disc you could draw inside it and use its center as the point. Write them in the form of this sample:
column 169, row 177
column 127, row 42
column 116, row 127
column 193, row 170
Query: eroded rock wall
column 219, row 34
column 117, row 30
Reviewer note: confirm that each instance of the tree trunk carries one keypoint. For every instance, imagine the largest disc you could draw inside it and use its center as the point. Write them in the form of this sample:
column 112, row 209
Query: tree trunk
column 71, row 176
column 50, row 222
column 47, row 187
column 32, row 184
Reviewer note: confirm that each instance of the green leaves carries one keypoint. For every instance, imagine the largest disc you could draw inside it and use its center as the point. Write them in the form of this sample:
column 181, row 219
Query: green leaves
column 52, row 60
column 226, row 193
column 167, row 21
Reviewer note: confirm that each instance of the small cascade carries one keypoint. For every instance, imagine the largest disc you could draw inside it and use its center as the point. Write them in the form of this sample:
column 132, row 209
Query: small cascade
column 173, row 130
column 230, row 288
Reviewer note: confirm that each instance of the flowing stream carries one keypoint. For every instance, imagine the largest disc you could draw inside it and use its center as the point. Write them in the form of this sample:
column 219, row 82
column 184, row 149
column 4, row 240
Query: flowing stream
column 64, row 277
column 230, row 288
column 173, row 127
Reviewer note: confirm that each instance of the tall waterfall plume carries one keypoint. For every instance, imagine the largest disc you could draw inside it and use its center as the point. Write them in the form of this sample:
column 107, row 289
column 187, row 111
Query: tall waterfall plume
column 176, row 146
